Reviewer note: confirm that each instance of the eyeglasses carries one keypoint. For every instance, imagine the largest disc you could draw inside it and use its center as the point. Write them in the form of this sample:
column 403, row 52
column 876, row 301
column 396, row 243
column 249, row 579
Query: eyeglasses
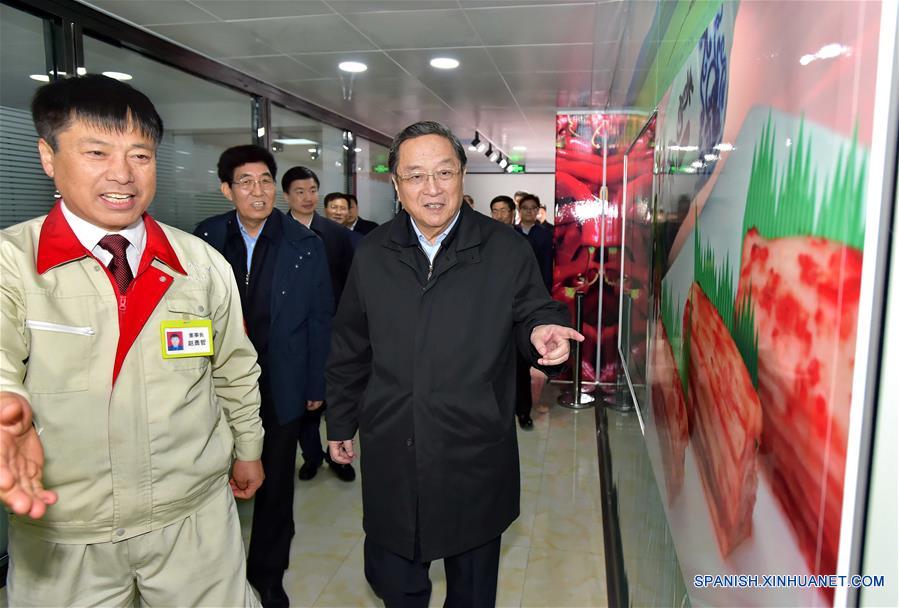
column 247, row 184
column 418, row 179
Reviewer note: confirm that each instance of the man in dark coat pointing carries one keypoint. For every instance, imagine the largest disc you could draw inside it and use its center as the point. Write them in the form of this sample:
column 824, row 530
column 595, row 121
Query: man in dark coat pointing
column 422, row 365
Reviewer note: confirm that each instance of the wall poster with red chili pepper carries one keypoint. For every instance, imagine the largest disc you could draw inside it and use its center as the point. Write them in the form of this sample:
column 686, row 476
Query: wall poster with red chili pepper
column 587, row 235
column 754, row 226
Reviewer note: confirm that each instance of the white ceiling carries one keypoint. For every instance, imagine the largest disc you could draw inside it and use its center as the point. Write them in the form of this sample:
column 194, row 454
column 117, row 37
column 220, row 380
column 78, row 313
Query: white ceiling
column 520, row 61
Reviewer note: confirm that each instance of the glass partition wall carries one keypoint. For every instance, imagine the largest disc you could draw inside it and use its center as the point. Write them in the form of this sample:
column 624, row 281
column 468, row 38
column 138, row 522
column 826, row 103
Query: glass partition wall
column 201, row 120
column 206, row 108
column 24, row 189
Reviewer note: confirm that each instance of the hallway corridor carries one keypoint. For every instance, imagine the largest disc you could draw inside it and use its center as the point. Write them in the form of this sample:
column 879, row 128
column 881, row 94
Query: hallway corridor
column 551, row 556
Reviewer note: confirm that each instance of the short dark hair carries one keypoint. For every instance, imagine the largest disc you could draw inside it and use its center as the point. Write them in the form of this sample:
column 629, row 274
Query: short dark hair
column 351, row 199
column 333, row 196
column 234, row 157
column 295, row 173
column 425, row 127
column 505, row 200
column 529, row 197
column 98, row 100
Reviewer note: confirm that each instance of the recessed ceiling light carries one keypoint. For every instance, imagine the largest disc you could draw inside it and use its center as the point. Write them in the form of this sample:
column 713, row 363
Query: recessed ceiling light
column 40, row 77
column 444, row 63
column 520, row 148
column 353, row 67
column 118, row 75
column 300, row 141
column 357, row 149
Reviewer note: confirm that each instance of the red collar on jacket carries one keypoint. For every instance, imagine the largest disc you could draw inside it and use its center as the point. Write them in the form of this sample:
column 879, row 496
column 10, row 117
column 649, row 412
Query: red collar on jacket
column 58, row 244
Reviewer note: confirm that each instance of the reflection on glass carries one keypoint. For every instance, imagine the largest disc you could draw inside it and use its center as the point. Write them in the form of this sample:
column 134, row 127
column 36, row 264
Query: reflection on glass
column 637, row 288
column 298, row 140
column 373, row 186
column 25, row 191
column 201, row 120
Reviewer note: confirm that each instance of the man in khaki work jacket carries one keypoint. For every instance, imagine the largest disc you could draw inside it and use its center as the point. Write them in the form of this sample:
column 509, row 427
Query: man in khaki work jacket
column 136, row 440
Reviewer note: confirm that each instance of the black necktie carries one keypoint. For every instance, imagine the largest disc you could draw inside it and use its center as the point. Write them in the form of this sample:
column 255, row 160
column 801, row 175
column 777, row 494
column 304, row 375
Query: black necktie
column 116, row 244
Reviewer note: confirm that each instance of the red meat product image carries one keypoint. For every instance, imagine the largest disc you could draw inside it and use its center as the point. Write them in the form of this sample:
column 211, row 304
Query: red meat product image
column 805, row 294
column 670, row 410
column 725, row 421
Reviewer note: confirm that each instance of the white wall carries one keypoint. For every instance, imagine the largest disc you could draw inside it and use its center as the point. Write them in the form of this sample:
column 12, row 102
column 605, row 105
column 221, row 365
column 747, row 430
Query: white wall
column 482, row 187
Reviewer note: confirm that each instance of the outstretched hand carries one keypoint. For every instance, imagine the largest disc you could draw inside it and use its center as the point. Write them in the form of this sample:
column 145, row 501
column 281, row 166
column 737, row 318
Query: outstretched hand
column 551, row 341
column 21, row 459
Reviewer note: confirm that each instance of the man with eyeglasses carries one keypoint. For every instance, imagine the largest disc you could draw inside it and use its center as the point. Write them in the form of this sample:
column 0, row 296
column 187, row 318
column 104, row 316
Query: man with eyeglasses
column 422, row 365
column 285, row 291
column 538, row 236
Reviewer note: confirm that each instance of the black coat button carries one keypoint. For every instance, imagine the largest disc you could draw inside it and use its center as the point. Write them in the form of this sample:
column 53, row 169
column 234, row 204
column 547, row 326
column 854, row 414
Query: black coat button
column 410, row 442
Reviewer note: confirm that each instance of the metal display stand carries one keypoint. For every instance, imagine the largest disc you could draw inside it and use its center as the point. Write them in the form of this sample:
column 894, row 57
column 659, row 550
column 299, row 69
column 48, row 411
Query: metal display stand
column 576, row 399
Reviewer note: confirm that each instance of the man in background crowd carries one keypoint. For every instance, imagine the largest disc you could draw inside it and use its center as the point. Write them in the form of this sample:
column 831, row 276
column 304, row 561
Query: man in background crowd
column 353, row 221
column 282, row 278
column 468, row 200
column 541, row 217
column 538, row 236
column 139, row 445
column 300, row 186
column 336, row 207
column 502, row 209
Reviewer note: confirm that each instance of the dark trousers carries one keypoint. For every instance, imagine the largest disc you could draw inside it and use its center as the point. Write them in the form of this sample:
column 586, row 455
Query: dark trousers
column 310, row 436
column 470, row 577
column 273, row 528
column 522, row 386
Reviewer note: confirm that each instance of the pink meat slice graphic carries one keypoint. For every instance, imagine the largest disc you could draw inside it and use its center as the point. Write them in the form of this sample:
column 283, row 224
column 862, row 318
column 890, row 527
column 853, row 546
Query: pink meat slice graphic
column 725, row 421
column 670, row 410
column 805, row 294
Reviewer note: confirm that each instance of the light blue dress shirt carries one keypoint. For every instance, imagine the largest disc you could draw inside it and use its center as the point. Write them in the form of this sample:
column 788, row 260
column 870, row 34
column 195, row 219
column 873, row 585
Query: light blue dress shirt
column 249, row 241
column 431, row 250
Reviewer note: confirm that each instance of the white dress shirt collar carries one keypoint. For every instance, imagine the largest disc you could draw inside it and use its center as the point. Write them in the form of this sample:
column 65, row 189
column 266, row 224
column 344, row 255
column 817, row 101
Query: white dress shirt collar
column 89, row 235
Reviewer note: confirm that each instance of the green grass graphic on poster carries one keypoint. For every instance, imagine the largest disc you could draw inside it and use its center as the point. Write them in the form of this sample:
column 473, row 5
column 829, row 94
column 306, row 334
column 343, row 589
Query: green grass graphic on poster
column 717, row 283
column 787, row 207
column 671, row 318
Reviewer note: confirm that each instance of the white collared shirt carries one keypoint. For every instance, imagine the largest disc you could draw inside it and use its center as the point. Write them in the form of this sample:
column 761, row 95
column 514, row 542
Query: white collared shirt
column 90, row 235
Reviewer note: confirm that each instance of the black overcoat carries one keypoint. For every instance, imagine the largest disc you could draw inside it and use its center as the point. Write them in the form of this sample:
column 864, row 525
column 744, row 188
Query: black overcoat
column 424, row 368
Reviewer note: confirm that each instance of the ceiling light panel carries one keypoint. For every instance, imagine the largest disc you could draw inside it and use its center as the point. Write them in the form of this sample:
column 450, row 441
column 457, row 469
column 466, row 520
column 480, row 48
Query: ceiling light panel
column 444, row 63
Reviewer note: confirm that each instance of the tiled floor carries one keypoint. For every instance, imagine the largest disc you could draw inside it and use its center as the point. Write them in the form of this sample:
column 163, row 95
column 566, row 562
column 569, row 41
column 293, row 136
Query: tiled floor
column 551, row 556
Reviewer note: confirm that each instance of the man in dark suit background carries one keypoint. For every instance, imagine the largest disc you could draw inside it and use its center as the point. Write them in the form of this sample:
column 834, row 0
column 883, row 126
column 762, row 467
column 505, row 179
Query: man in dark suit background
column 300, row 186
column 353, row 221
column 539, row 236
column 285, row 292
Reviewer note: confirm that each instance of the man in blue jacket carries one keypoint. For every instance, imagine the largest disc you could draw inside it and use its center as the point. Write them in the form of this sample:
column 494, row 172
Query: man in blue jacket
column 300, row 185
column 285, row 290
